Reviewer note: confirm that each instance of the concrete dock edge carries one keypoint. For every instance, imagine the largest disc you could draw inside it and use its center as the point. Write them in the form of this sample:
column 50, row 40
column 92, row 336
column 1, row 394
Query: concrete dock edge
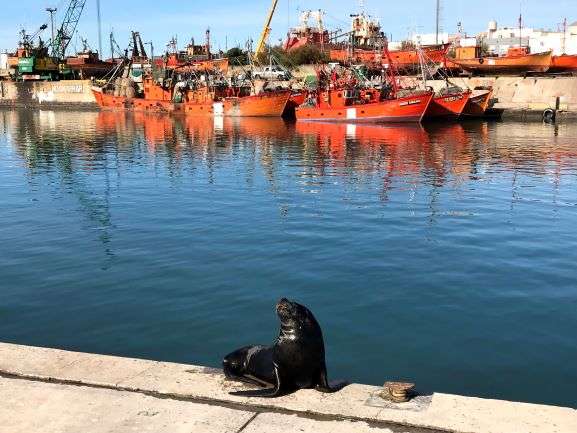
column 26, row 370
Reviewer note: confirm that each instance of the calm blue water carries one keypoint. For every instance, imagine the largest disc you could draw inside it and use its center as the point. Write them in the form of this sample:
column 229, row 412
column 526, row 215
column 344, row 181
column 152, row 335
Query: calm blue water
column 445, row 255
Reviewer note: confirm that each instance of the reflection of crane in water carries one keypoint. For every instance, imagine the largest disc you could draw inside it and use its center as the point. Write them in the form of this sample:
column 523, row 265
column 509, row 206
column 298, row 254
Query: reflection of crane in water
column 40, row 149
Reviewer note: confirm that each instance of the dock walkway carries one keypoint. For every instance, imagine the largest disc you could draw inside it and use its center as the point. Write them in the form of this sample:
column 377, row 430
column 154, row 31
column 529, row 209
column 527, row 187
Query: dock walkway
column 48, row 390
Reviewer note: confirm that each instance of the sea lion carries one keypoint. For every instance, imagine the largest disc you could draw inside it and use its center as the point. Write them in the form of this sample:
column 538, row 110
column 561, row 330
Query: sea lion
column 295, row 361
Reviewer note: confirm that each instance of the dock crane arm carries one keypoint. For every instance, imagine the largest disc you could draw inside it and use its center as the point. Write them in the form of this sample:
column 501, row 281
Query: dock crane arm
column 68, row 27
column 265, row 31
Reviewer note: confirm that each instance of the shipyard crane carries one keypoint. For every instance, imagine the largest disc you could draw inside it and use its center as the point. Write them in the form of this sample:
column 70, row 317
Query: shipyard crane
column 260, row 46
column 67, row 29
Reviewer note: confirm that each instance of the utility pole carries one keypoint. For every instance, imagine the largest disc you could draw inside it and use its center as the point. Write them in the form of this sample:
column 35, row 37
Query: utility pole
column 99, row 27
column 51, row 12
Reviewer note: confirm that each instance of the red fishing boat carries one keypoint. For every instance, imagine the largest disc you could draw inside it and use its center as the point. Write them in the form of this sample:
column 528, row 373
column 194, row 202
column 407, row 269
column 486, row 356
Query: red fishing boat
column 448, row 104
column 364, row 106
column 345, row 98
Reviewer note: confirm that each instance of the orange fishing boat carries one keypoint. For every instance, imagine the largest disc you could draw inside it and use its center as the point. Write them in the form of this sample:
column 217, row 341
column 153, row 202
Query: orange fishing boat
column 448, row 105
column 203, row 100
column 366, row 106
column 563, row 63
column 478, row 103
column 516, row 61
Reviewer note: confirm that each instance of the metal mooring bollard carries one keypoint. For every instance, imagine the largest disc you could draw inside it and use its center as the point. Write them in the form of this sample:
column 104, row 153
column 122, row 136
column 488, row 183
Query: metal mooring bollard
column 398, row 392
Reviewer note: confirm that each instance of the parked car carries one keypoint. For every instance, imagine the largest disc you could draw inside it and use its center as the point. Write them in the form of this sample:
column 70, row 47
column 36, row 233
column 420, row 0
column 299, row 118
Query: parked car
column 274, row 72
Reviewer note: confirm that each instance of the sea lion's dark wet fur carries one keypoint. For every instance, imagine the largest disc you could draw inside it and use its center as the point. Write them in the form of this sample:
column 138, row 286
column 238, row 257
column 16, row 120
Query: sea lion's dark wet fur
column 295, row 361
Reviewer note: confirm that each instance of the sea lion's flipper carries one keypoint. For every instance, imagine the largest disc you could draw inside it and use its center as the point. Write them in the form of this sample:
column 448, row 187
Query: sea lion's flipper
column 323, row 384
column 277, row 391
column 252, row 380
column 263, row 393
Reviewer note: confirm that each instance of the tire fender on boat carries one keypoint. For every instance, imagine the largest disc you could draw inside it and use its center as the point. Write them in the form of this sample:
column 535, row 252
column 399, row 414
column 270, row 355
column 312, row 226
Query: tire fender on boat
column 549, row 115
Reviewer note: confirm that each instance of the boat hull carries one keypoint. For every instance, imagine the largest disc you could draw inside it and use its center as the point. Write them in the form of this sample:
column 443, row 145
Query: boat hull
column 563, row 63
column 508, row 64
column 405, row 109
column 477, row 104
column 295, row 100
column 264, row 105
column 270, row 104
column 448, row 106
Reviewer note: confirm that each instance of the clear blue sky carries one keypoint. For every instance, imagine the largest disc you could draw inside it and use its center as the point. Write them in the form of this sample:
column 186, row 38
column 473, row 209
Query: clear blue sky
column 238, row 20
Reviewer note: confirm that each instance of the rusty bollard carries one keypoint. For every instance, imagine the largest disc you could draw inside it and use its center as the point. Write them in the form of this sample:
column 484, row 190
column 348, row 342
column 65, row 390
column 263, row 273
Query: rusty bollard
column 398, row 392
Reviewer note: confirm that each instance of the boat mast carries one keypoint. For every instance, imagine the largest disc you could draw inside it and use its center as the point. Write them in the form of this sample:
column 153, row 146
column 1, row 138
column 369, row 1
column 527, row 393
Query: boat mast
column 438, row 17
column 520, row 30
column 564, row 35
column 99, row 19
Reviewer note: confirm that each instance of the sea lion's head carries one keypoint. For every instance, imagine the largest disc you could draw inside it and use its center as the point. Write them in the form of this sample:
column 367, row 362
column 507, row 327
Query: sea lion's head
column 295, row 315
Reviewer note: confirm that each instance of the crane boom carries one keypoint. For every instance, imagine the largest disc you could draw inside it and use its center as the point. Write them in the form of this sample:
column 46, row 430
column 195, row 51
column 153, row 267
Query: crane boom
column 265, row 31
column 68, row 27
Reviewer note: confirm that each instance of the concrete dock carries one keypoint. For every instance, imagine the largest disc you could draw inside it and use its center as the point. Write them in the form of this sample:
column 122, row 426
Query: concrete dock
column 48, row 390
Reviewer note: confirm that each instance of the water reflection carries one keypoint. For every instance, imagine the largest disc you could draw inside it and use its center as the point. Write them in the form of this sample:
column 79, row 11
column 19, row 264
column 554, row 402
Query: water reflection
column 69, row 141
column 412, row 157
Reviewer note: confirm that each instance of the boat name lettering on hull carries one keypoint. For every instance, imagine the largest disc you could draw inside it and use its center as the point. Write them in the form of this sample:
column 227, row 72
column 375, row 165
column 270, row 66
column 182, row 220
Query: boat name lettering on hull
column 411, row 102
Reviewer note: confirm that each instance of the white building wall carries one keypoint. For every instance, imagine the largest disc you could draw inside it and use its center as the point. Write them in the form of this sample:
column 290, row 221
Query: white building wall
column 500, row 40
column 430, row 38
column 3, row 61
column 538, row 40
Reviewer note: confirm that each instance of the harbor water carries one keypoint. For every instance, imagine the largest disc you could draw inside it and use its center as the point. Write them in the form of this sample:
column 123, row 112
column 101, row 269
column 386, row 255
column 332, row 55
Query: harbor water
column 443, row 254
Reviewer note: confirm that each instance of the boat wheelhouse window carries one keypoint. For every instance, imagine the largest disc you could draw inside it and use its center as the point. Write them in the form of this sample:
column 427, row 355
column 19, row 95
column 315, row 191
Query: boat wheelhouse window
column 349, row 94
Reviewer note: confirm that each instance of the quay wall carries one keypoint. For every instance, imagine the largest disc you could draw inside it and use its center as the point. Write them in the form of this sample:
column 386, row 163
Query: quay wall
column 517, row 95
column 71, row 94
column 51, row 387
